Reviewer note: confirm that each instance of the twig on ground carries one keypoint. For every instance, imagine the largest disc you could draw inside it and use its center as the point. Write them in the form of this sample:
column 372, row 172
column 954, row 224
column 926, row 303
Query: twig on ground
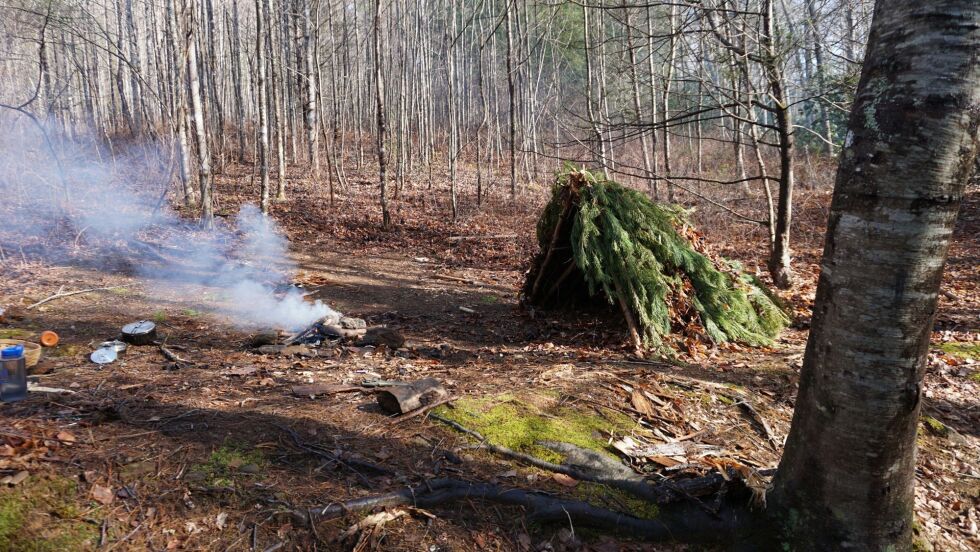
column 173, row 357
column 490, row 237
column 754, row 414
column 422, row 410
column 125, row 538
column 61, row 295
column 338, row 458
column 460, row 280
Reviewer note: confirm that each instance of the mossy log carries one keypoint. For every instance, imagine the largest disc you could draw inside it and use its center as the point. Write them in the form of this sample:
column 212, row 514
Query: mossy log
column 603, row 242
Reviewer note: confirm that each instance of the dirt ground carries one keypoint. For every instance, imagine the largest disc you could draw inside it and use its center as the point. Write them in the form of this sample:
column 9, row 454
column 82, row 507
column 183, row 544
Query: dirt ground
column 137, row 455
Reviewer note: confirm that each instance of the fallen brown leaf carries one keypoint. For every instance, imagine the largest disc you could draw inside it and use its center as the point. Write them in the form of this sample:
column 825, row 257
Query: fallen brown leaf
column 565, row 480
column 102, row 495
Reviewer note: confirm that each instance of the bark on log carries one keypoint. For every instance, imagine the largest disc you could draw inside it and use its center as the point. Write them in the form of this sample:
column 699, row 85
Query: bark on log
column 400, row 399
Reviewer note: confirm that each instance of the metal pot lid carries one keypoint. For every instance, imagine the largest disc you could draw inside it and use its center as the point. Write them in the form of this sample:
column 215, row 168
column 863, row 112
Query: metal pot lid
column 142, row 327
column 116, row 345
column 104, row 355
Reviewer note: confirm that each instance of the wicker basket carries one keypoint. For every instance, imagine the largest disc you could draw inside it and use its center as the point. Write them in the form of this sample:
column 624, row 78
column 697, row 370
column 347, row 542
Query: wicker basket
column 32, row 351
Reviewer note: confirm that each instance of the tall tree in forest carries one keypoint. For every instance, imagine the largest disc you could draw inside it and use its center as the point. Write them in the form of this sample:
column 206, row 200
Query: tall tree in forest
column 512, row 96
column 197, row 106
column 310, row 78
column 179, row 108
column 263, row 105
column 379, row 91
column 846, row 478
column 600, row 143
column 779, row 258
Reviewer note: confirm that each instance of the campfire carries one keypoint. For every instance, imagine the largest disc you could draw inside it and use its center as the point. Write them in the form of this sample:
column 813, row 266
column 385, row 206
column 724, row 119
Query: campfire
column 331, row 329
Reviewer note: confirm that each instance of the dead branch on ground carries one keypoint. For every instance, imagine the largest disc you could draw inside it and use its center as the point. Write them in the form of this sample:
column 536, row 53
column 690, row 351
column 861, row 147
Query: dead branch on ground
column 61, row 295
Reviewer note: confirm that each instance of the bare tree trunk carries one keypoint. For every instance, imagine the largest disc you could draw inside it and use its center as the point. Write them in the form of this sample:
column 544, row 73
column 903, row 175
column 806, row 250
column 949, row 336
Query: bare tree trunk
column 513, row 105
column 120, row 71
column 780, row 259
column 590, row 107
column 133, row 59
column 826, row 131
column 263, row 105
column 203, row 155
column 850, row 50
column 236, row 79
column 184, row 157
column 653, row 103
column 309, row 111
column 276, row 95
column 453, row 122
column 846, row 478
column 358, row 103
column 379, row 92
column 668, row 80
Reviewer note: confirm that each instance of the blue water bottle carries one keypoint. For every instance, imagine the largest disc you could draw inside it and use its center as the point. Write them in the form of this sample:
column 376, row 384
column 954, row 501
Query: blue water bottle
column 13, row 374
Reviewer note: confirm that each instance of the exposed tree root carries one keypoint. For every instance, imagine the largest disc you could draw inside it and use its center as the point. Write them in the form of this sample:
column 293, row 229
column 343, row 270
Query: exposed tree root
column 678, row 522
column 588, row 465
column 681, row 514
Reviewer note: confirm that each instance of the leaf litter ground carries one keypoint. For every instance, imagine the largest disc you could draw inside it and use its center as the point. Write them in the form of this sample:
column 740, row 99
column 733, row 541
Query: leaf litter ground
column 201, row 458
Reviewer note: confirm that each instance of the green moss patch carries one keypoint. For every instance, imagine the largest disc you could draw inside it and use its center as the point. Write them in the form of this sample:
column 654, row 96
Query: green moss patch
column 15, row 333
column 935, row 426
column 226, row 465
column 64, row 351
column 43, row 514
column 615, row 499
column 962, row 349
column 519, row 422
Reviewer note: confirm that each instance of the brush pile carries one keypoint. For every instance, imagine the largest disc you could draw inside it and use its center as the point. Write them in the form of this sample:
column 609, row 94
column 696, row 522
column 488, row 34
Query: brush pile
column 603, row 242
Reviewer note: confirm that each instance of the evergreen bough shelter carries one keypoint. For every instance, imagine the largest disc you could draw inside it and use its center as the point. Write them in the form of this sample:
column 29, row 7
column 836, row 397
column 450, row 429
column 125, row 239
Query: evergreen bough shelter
column 599, row 239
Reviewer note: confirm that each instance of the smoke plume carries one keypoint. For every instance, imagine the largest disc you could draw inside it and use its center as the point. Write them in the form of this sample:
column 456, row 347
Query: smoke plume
column 71, row 200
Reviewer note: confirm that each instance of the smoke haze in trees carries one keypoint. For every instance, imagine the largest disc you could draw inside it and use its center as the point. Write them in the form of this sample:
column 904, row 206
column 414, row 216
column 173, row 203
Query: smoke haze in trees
column 107, row 210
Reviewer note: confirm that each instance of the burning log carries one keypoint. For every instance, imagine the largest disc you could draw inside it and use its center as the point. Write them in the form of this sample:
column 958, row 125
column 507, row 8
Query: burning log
column 330, row 329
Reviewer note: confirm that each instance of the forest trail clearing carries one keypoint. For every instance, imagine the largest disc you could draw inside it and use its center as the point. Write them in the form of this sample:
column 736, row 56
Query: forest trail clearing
column 139, row 457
